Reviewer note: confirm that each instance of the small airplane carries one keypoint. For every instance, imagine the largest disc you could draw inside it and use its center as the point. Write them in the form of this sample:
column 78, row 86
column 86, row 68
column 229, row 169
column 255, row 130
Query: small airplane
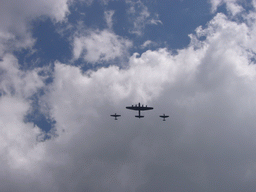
column 139, row 108
column 163, row 116
column 115, row 115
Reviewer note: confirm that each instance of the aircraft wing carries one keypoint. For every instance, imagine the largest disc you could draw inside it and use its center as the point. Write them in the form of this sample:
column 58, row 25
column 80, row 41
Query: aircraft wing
column 146, row 108
column 133, row 108
column 115, row 115
column 137, row 108
column 163, row 116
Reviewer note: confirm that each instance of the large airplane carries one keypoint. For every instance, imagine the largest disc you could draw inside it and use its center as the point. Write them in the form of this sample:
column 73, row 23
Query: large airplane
column 115, row 115
column 163, row 116
column 139, row 108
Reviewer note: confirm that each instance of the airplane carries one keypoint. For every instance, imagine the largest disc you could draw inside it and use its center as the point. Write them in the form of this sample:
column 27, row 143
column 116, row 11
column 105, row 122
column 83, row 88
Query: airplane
column 115, row 115
column 163, row 116
column 139, row 108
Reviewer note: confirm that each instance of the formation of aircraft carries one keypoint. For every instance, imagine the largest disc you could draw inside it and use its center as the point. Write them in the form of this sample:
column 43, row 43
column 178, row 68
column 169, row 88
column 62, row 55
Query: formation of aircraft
column 139, row 108
column 163, row 116
column 115, row 115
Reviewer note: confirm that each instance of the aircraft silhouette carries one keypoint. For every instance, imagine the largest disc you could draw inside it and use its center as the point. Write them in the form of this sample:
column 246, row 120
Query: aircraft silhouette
column 139, row 108
column 115, row 115
column 163, row 116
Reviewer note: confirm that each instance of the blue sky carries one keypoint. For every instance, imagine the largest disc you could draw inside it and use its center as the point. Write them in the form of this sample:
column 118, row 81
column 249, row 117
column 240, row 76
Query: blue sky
column 66, row 65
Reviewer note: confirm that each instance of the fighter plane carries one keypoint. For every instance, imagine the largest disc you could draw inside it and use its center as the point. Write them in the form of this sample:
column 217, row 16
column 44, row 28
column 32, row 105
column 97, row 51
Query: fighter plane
column 115, row 115
column 139, row 108
column 163, row 116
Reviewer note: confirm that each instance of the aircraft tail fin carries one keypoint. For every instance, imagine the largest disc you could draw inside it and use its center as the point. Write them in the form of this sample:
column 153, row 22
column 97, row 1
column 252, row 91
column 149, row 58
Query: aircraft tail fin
column 139, row 116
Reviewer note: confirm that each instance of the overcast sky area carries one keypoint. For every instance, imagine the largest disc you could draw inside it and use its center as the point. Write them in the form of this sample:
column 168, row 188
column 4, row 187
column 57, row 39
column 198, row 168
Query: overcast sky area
column 67, row 65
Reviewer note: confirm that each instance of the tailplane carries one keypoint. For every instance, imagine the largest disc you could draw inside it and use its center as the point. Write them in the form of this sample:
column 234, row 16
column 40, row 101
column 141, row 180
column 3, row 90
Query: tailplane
column 139, row 116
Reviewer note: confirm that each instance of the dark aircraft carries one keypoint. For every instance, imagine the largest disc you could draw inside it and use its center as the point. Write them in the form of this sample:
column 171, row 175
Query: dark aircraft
column 115, row 116
column 139, row 108
column 163, row 116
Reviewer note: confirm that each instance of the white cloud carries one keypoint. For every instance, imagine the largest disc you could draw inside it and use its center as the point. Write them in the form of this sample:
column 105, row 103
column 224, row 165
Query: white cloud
column 15, row 16
column 148, row 43
column 20, row 151
column 16, row 87
column 108, row 18
column 232, row 6
column 17, row 82
column 207, row 143
column 207, row 89
column 215, row 4
column 140, row 16
column 98, row 46
column 21, row 154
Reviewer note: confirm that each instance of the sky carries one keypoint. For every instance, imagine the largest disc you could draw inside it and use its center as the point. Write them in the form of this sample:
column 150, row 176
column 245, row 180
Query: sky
column 67, row 65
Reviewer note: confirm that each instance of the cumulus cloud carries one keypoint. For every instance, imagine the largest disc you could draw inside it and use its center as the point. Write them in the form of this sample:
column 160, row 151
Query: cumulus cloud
column 17, row 82
column 207, row 143
column 19, row 149
column 97, row 46
column 232, row 6
column 15, row 16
